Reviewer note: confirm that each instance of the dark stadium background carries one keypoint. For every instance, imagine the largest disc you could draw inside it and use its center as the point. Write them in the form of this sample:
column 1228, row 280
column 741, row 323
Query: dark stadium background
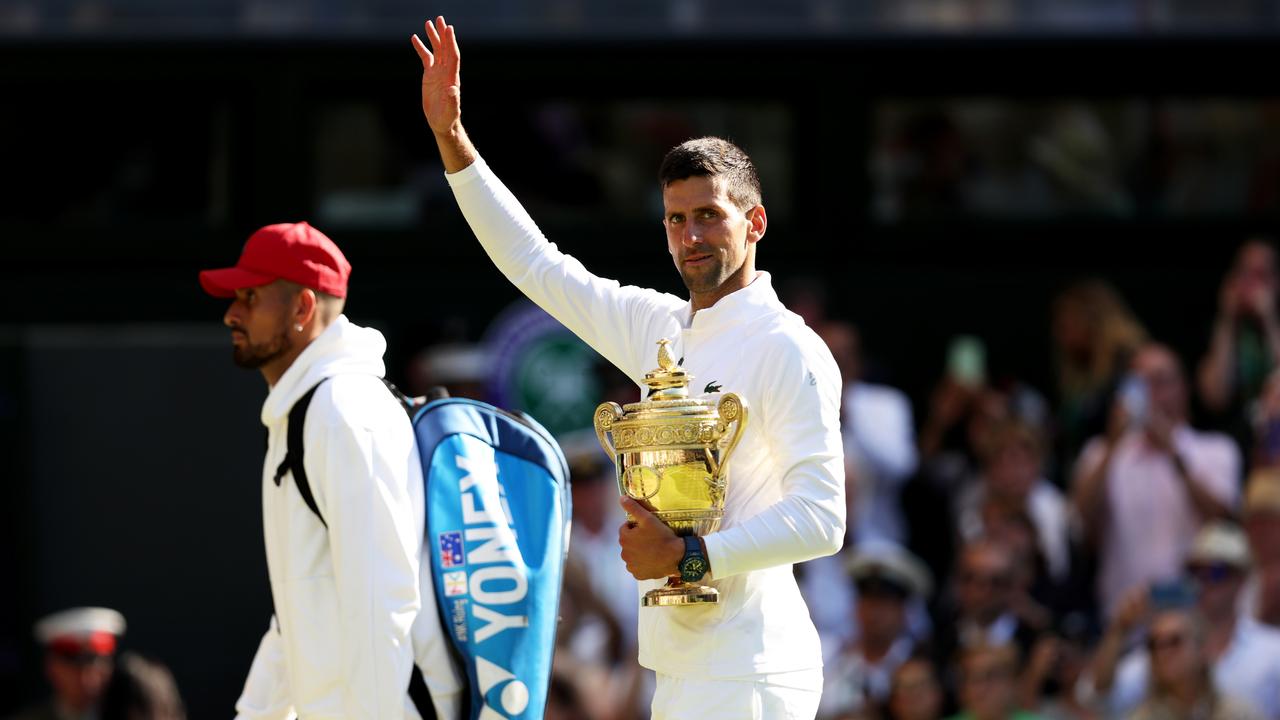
column 146, row 142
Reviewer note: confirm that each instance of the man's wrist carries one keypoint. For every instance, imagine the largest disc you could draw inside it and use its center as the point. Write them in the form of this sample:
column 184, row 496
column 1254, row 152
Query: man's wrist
column 456, row 150
column 675, row 548
column 692, row 565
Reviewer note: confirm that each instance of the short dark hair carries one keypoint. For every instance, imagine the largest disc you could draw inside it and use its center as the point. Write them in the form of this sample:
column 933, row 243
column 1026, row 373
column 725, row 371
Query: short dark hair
column 715, row 158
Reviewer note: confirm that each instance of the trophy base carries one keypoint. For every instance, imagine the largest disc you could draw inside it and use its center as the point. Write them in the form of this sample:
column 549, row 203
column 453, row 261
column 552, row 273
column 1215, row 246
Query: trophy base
column 681, row 594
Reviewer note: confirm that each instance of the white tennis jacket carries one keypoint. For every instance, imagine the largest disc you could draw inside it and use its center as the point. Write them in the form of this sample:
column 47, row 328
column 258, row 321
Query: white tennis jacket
column 354, row 602
column 785, row 501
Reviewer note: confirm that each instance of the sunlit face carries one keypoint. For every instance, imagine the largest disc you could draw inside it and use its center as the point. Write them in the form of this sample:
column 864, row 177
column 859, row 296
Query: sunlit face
column 709, row 237
column 259, row 319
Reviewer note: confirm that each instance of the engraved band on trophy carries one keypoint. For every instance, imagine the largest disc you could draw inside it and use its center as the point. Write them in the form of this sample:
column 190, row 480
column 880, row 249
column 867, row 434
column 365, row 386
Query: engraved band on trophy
column 671, row 452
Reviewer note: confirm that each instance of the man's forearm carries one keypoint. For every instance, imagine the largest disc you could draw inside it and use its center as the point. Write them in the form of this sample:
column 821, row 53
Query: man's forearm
column 456, row 150
column 1088, row 494
column 1105, row 660
column 1215, row 372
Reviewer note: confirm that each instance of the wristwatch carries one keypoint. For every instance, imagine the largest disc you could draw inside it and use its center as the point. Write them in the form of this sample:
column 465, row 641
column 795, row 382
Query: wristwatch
column 694, row 563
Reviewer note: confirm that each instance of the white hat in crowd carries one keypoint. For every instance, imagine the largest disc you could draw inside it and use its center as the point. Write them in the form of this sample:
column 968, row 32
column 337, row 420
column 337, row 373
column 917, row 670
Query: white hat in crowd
column 81, row 630
column 1221, row 542
column 888, row 564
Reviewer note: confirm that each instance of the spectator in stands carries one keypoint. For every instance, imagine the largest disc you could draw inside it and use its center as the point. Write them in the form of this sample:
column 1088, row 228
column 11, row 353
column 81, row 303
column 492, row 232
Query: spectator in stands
column 916, row 693
column 984, row 608
column 1245, row 343
column 1181, row 683
column 1243, row 655
column 858, row 679
column 879, row 441
column 1260, row 598
column 1056, row 663
column 1264, row 419
column 141, row 689
column 989, row 683
column 1094, row 336
column 880, row 456
column 79, row 646
column 1145, row 487
column 596, row 636
column 1012, row 481
column 1035, row 594
column 462, row 369
column 593, row 542
column 953, row 440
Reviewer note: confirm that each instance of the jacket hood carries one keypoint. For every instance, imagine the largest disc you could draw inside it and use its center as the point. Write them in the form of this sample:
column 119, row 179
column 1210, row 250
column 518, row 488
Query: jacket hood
column 343, row 348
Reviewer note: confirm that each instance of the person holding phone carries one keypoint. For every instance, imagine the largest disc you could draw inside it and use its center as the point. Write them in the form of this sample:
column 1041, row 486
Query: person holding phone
column 1145, row 487
column 1244, row 346
column 1242, row 655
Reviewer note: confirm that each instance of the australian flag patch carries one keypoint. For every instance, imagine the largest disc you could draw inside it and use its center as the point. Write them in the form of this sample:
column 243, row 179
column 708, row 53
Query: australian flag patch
column 451, row 554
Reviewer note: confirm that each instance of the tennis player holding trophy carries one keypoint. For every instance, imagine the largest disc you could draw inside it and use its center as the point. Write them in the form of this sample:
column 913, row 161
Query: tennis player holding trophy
column 752, row 652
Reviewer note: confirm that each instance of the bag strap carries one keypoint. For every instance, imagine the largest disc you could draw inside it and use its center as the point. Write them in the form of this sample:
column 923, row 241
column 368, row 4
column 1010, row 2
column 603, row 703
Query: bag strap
column 420, row 695
column 293, row 455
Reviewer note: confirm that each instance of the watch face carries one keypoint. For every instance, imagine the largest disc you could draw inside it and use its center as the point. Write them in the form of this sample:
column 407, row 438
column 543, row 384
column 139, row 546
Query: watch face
column 693, row 568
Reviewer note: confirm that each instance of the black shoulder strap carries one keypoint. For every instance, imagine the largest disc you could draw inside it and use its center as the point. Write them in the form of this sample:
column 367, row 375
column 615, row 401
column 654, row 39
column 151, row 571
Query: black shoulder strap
column 293, row 455
column 420, row 695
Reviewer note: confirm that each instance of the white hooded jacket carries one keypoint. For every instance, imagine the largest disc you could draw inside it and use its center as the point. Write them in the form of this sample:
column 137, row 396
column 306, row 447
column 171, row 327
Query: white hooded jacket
column 354, row 602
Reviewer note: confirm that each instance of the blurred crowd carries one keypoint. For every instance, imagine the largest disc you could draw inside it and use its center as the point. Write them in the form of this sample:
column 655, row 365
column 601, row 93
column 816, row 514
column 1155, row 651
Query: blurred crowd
column 1107, row 548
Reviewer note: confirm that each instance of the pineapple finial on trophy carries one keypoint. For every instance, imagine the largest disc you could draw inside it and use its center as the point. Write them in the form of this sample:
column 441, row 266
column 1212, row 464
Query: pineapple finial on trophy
column 665, row 361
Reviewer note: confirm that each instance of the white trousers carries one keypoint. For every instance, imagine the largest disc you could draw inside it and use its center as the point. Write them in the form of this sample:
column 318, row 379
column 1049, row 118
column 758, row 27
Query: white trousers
column 778, row 696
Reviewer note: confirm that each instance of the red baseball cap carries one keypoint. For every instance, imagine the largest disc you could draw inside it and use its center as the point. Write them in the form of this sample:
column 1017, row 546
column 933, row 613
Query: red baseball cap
column 295, row 252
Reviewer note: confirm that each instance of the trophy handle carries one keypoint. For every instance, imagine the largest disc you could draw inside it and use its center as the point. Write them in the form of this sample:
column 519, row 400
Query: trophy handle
column 732, row 410
column 606, row 415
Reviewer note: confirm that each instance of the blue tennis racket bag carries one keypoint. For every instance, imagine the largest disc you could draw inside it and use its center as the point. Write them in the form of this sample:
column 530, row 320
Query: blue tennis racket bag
column 498, row 510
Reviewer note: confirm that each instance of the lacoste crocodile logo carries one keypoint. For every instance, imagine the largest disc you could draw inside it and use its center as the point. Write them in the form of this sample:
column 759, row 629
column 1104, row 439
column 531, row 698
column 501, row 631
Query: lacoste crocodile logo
column 712, row 387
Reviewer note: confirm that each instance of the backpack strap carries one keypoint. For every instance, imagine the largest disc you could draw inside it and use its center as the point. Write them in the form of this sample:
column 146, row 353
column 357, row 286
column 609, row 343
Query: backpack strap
column 420, row 695
column 293, row 455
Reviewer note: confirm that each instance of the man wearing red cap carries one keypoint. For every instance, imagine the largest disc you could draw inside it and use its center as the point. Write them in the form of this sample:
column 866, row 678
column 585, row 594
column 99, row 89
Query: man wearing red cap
column 80, row 647
column 344, row 576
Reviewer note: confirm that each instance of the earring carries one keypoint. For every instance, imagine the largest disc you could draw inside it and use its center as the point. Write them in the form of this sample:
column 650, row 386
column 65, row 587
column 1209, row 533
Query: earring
column 298, row 328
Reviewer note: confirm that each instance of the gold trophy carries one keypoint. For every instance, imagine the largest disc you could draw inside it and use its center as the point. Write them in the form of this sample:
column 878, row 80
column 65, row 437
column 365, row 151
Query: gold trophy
column 671, row 452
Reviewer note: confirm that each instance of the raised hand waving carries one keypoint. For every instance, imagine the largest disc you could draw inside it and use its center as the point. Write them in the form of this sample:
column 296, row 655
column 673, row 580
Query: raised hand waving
column 441, row 81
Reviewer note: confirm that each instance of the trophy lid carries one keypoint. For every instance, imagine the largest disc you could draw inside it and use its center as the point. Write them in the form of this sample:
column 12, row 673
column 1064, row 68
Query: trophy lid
column 668, row 379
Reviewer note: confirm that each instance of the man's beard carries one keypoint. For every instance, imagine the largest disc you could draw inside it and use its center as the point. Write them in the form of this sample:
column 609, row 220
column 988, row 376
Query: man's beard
column 253, row 356
column 705, row 279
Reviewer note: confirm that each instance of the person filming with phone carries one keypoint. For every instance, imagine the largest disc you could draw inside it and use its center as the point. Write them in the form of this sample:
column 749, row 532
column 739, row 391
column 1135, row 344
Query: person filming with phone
column 1145, row 487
